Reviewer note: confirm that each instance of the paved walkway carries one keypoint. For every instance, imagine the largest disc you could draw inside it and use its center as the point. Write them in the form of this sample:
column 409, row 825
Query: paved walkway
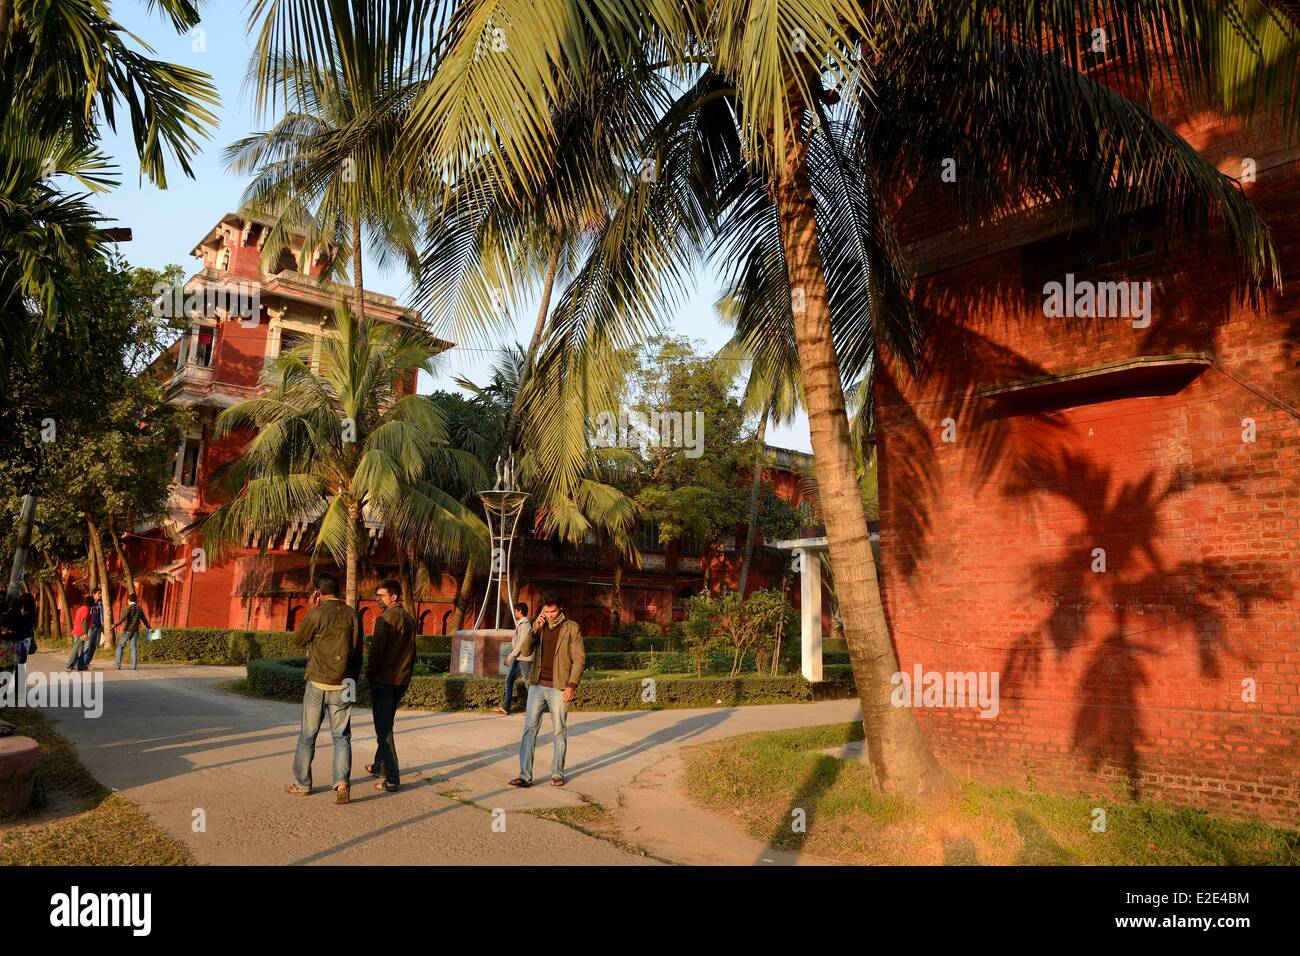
column 173, row 743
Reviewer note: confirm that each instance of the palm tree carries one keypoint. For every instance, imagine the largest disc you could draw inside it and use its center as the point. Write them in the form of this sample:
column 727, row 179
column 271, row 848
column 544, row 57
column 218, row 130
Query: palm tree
column 761, row 140
column 760, row 316
column 322, row 169
column 65, row 68
column 346, row 442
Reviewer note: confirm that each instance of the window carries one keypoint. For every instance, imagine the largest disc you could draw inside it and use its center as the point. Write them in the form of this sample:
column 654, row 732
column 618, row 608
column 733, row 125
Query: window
column 647, row 536
column 189, row 475
column 290, row 340
column 1135, row 240
column 203, row 349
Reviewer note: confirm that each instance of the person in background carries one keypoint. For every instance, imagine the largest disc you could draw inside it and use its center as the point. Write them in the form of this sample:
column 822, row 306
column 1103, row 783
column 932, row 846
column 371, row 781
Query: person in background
column 389, row 670
column 332, row 635
column 558, row 660
column 26, row 617
column 96, row 630
column 80, row 633
column 519, row 664
column 132, row 621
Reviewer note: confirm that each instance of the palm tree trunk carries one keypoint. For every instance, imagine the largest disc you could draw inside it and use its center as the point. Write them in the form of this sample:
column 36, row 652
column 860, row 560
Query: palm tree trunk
column 353, row 559
column 462, row 599
column 616, row 605
column 530, row 357
column 755, row 484
column 358, row 286
column 901, row 759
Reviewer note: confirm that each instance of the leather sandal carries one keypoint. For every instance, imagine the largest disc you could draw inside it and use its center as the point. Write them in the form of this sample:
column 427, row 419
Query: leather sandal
column 519, row 782
column 296, row 791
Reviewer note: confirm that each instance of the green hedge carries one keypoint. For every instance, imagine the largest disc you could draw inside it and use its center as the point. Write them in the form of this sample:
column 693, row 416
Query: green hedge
column 284, row 679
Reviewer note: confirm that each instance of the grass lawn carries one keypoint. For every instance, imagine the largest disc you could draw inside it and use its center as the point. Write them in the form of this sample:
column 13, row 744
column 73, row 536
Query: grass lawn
column 73, row 820
column 760, row 779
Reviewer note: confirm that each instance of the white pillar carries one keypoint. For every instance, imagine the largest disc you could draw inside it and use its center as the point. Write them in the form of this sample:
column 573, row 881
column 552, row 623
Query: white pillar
column 810, row 613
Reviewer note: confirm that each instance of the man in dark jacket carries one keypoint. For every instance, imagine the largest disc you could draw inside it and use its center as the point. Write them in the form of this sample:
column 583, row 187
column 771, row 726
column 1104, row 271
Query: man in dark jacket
column 332, row 635
column 391, row 663
column 132, row 622
column 558, row 659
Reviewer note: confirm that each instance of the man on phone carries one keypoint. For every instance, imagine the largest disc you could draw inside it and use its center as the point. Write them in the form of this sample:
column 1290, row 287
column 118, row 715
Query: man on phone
column 558, row 659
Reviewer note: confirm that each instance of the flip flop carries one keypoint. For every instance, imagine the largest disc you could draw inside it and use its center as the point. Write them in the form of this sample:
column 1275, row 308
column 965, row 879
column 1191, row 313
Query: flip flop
column 296, row 791
column 557, row 781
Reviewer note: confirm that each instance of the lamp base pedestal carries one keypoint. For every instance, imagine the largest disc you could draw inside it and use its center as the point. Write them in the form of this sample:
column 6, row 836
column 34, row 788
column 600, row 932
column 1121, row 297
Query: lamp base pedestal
column 481, row 652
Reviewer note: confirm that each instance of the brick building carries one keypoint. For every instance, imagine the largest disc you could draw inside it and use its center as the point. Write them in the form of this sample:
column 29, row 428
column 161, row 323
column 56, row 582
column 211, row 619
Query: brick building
column 216, row 364
column 1106, row 513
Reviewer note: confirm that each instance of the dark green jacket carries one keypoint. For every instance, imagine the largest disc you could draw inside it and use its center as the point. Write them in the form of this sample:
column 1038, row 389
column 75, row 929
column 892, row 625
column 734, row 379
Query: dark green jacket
column 570, row 653
column 392, row 648
column 332, row 635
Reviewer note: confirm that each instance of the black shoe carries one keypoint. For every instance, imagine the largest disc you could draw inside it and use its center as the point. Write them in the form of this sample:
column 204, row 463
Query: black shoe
column 519, row 782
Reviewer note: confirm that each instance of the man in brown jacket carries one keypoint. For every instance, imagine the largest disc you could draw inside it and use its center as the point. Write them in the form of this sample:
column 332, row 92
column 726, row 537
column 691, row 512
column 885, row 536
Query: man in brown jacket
column 332, row 635
column 558, row 659
column 392, row 661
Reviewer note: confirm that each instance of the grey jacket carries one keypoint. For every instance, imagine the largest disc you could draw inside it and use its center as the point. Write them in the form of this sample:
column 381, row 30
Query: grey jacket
column 522, row 630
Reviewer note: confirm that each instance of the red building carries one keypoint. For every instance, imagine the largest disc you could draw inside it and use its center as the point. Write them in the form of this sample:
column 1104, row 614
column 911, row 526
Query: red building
column 216, row 364
column 1106, row 511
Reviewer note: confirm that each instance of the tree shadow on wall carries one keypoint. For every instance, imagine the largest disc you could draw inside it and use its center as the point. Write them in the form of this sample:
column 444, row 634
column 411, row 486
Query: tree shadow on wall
column 1157, row 607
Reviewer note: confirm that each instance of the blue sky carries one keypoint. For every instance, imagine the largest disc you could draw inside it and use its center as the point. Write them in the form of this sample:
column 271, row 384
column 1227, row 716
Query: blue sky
column 167, row 223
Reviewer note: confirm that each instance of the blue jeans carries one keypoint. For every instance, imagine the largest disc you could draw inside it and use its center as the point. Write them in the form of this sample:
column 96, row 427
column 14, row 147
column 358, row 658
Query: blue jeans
column 78, row 652
column 384, row 699
column 518, row 671
column 92, row 644
column 133, row 637
column 551, row 698
column 315, row 704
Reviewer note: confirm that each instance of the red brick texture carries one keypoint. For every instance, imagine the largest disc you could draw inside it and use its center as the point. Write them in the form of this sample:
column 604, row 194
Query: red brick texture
column 1127, row 681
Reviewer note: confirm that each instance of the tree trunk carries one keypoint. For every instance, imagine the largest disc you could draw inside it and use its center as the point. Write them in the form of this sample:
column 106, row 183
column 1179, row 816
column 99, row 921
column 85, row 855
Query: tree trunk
column 462, row 599
column 62, row 611
column 107, row 586
column 530, row 357
column 121, row 557
column 755, row 485
column 616, row 604
column 353, row 555
column 901, row 759
column 358, row 286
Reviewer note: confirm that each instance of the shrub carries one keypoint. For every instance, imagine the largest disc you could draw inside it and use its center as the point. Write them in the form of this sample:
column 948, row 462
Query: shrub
column 284, row 679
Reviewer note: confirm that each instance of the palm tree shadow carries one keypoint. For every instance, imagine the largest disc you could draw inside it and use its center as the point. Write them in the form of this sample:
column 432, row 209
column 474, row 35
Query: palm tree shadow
column 1156, row 606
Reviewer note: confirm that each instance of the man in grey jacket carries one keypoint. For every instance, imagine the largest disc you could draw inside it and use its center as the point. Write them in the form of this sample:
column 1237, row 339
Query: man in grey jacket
column 558, row 659
column 519, row 663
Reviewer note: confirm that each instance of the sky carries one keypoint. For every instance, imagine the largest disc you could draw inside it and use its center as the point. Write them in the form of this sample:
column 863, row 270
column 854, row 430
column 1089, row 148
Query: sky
column 166, row 224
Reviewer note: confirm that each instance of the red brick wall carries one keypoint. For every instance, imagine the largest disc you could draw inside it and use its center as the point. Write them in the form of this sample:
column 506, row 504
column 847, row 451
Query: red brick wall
column 1131, row 678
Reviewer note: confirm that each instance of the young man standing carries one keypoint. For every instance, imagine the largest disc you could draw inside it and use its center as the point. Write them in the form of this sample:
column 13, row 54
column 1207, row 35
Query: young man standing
column 332, row 635
column 81, row 631
column 558, row 659
column 389, row 669
column 96, row 630
column 519, row 663
column 132, row 621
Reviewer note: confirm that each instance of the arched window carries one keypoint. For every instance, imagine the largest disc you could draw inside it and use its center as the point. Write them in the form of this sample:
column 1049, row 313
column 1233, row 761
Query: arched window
column 425, row 617
column 295, row 617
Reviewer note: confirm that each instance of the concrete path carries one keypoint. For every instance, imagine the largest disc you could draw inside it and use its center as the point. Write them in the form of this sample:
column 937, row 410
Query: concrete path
column 174, row 744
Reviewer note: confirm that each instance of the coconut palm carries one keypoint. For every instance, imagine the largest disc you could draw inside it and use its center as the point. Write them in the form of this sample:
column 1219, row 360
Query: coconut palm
column 65, row 69
column 811, row 118
column 345, row 443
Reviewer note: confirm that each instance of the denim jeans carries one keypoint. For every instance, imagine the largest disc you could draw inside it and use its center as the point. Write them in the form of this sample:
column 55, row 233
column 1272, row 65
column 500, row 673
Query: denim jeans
column 78, row 652
column 92, row 645
column 384, row 699
column 315, row 704
column 518, row 671
column 133, row 637
column 551, row 698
